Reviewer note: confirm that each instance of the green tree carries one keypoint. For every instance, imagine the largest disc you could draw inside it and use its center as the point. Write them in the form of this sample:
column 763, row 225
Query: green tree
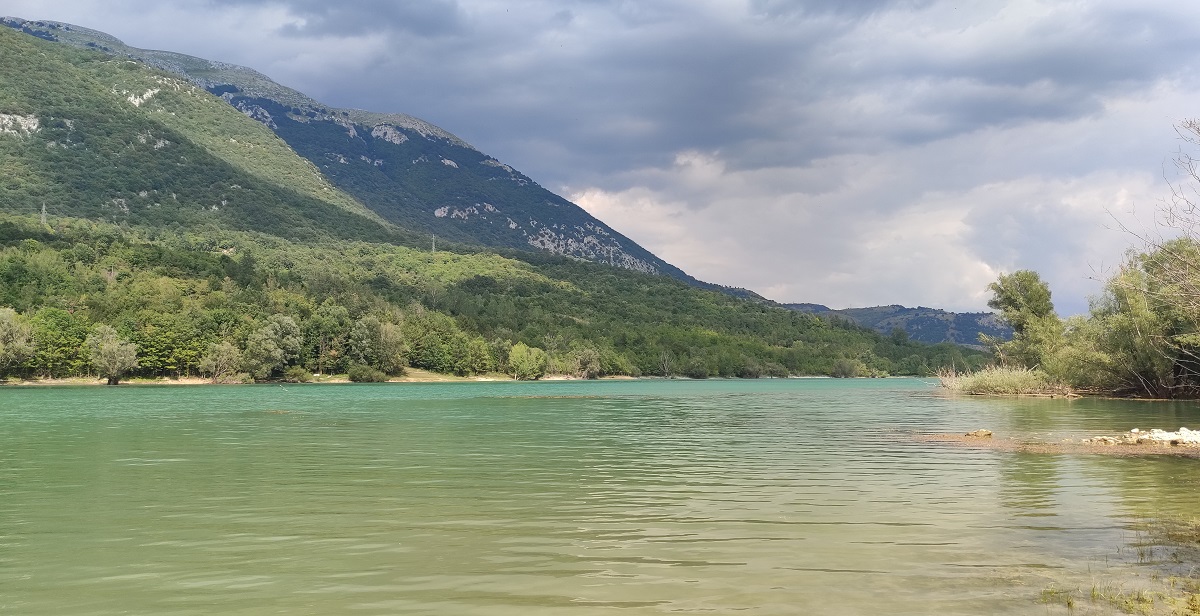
column 696, row 368
column 456, row 347
column 432, row 339
column 479, row 356
column 1021, row 297
column 365, row 343
column 846, row 368
column 585, row 361
column 221, row 362
column 393, row 350
column 272, row 347
column 612, row 362
column 527, row 363
column 499, row 348
column 58, row 338
column 168, row 342
column 16, row 339
column 110, row 355
column 1141, row 337
column 326, row 331
column 1023, row 300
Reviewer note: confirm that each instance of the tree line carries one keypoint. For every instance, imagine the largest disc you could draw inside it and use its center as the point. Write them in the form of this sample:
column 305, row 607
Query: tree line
column 80, row 295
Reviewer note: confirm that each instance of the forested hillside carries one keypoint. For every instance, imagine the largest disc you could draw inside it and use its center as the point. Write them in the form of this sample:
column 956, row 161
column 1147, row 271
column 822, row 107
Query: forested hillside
column 148, row 228
column 405, row 170
column 924, row 324
column 85, row 135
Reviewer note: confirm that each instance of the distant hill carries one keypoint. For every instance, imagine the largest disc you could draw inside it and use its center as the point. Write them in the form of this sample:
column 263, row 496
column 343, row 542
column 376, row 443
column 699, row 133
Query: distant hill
column 922, row 324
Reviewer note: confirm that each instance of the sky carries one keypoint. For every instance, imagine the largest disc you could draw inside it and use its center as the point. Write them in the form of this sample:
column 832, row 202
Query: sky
column 844, row 153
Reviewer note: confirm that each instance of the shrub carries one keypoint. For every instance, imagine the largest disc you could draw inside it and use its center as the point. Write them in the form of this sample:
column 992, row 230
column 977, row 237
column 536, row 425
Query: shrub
column 297, row 374
column 111, row 355
column 527, row 363
column 1004, row 381
column 221, row 362
column 845, row 368
column 750, row 369
column 359, row 373
column 696, row 369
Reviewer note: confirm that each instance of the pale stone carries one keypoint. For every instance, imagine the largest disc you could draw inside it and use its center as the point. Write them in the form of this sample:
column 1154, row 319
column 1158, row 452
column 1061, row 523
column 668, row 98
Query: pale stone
column 389, row 133
column 19, row 125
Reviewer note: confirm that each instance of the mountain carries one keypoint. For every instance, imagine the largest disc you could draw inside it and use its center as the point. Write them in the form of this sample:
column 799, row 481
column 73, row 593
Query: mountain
column 406, row 171
column 928, row 325
column 136, row 205
column 87, row 137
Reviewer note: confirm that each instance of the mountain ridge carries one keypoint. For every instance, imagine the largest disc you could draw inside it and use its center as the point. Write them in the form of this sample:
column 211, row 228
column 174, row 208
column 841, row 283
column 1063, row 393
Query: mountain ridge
column 407, row 171
column 929, row 325
column 136, row 204
column 365, row 139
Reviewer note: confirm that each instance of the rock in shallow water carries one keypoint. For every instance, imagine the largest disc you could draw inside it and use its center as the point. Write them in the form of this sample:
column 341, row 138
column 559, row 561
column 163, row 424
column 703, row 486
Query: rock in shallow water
column 1135, row 436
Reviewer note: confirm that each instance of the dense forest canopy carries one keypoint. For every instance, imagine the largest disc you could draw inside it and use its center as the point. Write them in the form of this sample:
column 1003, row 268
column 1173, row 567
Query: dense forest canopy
column 260, row 306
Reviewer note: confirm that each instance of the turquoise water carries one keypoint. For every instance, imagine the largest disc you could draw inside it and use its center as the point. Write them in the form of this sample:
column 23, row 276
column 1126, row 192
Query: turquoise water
column 646, row 497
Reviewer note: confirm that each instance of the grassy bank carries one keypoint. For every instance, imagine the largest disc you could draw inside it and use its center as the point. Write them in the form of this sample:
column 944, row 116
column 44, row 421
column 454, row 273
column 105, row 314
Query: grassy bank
column 1003, row 381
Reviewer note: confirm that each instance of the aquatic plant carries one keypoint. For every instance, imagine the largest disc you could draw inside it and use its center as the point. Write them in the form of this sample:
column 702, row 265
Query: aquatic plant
column 1003, row 380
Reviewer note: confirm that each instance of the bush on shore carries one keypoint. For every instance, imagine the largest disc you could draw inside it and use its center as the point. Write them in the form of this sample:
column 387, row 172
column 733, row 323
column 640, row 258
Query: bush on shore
column 297, row 374
column 359, row 373
column 1004, row 381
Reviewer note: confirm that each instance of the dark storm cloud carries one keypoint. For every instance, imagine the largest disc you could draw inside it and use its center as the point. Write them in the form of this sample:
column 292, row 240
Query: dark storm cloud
column 617, row 86
column 1053, row 67
column 351, row 17
column 607, row 85
column 806, row 8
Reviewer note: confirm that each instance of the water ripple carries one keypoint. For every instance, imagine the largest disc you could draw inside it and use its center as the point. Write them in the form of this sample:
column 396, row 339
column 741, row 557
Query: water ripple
column 768, row 497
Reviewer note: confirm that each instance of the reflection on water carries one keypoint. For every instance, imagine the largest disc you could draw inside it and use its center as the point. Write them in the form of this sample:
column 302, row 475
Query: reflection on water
column 1030, row 484
column 760, row 497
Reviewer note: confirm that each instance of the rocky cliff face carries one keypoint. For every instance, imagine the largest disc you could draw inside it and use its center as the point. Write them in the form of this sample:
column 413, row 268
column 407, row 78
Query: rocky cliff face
column 421, row 177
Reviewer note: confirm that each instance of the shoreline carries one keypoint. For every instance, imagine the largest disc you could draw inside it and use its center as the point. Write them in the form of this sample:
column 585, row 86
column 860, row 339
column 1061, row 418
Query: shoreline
column 1091, row 446
column 413, row 375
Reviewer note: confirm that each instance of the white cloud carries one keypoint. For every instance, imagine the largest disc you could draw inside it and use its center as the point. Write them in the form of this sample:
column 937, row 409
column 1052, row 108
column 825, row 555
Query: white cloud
column 790, row 234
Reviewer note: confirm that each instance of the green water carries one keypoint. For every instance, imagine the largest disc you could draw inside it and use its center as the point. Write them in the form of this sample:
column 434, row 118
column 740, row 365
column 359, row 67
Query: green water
column 719, row 497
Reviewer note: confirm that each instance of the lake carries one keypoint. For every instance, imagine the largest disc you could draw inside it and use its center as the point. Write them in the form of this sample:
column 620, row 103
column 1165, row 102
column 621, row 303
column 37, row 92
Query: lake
column 800, row 496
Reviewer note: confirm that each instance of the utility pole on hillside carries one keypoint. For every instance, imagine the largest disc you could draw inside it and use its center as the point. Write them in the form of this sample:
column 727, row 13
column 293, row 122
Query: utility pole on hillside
column 433, row 244
column 43, row 213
